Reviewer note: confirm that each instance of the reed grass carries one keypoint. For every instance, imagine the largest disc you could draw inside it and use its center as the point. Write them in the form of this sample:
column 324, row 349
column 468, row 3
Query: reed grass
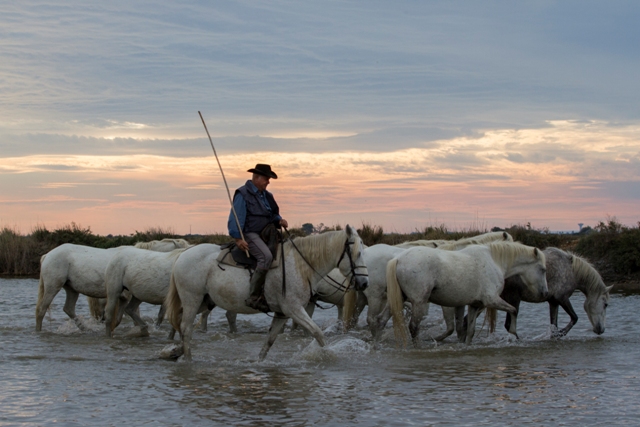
column 609, row 244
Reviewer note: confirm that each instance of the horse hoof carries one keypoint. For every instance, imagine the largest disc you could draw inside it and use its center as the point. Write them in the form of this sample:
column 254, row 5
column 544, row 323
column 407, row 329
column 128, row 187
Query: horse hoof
column 171, row 352
column 138, row 332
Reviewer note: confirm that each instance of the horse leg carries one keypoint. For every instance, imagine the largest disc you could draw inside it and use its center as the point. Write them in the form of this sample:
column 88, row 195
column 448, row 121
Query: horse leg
column 568, row 308
column 161, row 314
column 46, row 294
column 472, row 316
column 110, row 314
column 116, row 297
column 553, row 318
column 70, row 306
column 277, row 324
column 361, row 303
column 380, row 322
column 186, row 329
column 192, row 304
column 512, row 319
column 133, row 310
column 461, row 331
column 449, row 314
column 203, row 322
column 231, row 319
column 418, row 311
column 310, row 309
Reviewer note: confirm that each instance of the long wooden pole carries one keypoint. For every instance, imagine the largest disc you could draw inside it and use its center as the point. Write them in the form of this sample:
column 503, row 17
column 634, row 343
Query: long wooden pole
column 235, row 215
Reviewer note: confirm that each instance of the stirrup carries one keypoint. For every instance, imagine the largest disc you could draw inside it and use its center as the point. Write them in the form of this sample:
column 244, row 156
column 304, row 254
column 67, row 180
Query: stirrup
column 259, row 303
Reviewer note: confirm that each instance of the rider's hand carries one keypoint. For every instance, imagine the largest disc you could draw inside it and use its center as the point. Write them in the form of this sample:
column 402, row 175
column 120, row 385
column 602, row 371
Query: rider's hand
column 284, row 223
column 243, row 245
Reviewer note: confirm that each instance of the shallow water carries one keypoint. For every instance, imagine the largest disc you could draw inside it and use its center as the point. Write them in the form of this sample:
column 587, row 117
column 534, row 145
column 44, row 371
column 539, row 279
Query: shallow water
column 68, row 377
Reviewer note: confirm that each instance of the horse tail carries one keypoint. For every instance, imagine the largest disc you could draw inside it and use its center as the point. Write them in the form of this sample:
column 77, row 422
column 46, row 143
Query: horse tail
column 173, row 305
column 349, row 309
column 96, row 308
column 395, row 301
column 491, row 316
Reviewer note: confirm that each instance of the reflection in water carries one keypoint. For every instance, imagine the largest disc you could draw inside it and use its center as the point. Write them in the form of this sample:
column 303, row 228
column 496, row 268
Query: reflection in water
column 83, row 378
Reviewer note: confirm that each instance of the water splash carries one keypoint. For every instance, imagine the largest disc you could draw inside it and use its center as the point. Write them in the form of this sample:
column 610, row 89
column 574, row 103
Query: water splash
column 332, row 352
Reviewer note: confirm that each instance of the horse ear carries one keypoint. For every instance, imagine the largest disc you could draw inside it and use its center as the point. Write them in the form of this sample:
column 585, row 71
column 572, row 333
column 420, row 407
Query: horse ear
column 349, row 230
column 609, row 288
column 535, row 252
column 435, row 245
column 505, row 236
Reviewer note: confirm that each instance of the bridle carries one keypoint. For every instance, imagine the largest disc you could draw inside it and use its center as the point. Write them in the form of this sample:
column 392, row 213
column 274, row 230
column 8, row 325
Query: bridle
column 352, row 266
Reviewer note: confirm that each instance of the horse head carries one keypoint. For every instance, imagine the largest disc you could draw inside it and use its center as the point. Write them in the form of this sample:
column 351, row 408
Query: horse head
column 533, row 272
column 596, row 307
column 351, row 262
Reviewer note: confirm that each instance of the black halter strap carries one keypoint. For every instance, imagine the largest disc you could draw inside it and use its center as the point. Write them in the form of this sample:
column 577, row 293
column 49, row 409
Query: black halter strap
column 346, row 251
column 353, row 266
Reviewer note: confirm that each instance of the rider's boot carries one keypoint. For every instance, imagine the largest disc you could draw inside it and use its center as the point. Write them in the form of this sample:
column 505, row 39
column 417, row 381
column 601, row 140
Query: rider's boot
column 257, row 301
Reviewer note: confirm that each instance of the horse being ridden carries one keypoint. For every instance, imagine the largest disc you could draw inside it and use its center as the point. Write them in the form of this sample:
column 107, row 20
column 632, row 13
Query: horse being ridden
column 197, row 274
column 566, row 272
column 473, row 276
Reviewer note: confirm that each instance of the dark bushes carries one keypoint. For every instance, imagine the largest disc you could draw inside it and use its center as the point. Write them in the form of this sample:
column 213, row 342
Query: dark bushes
column 617, row 245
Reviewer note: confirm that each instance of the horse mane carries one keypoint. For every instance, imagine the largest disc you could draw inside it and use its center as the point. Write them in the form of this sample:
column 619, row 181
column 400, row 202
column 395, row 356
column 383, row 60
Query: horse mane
column 493, row 236
column 587, row 274
column 179, row 243
column 316, row 250
column 458, row 244
column 428, row 243
column 174, row 254
column 145, row 245
column 505, row 253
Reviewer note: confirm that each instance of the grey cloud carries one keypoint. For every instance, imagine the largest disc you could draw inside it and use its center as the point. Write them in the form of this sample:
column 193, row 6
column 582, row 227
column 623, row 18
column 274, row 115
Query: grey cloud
column 462, row 158
column 385, row 139
column 60, row 168
column 544, row 153
column 421, row 62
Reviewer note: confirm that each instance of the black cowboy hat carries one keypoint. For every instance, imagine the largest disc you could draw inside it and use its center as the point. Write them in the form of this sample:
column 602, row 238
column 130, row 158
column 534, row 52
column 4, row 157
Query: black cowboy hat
column 264, row 170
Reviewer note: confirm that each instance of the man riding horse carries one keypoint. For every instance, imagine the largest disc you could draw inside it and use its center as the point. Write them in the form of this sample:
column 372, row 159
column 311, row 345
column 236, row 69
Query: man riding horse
column 257, row 210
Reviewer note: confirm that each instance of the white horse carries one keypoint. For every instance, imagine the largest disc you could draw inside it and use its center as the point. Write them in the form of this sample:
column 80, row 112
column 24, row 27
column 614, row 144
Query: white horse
column 197, row 274
column 164, row 245
column 145, row 274
column 333, row 287
column 473, row 276
column 493, row 236
column 78, row 270
column 375, row 296
column 377, row 257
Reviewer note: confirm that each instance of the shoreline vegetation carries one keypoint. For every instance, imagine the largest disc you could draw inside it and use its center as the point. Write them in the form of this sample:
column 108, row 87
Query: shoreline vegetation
column 613, row 249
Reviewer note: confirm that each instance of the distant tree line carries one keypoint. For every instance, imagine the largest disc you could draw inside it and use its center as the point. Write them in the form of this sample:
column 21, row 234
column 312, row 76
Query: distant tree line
column 613, row 248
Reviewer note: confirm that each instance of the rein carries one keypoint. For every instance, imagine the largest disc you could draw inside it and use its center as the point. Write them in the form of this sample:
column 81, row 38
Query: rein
column 347, row 250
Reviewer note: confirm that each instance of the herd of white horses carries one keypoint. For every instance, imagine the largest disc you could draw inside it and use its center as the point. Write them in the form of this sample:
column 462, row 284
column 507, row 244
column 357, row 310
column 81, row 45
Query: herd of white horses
column 489, row 271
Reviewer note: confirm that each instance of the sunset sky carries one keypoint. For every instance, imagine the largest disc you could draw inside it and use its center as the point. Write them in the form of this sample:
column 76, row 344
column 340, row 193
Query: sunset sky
column 402, row 114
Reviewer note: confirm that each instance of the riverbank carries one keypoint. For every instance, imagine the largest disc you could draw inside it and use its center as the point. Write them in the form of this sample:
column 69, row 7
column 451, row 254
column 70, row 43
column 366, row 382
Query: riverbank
column 613, row 249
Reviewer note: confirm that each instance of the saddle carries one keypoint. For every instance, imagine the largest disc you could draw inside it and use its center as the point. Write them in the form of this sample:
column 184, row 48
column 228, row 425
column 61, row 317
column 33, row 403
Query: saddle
column 233, row 256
